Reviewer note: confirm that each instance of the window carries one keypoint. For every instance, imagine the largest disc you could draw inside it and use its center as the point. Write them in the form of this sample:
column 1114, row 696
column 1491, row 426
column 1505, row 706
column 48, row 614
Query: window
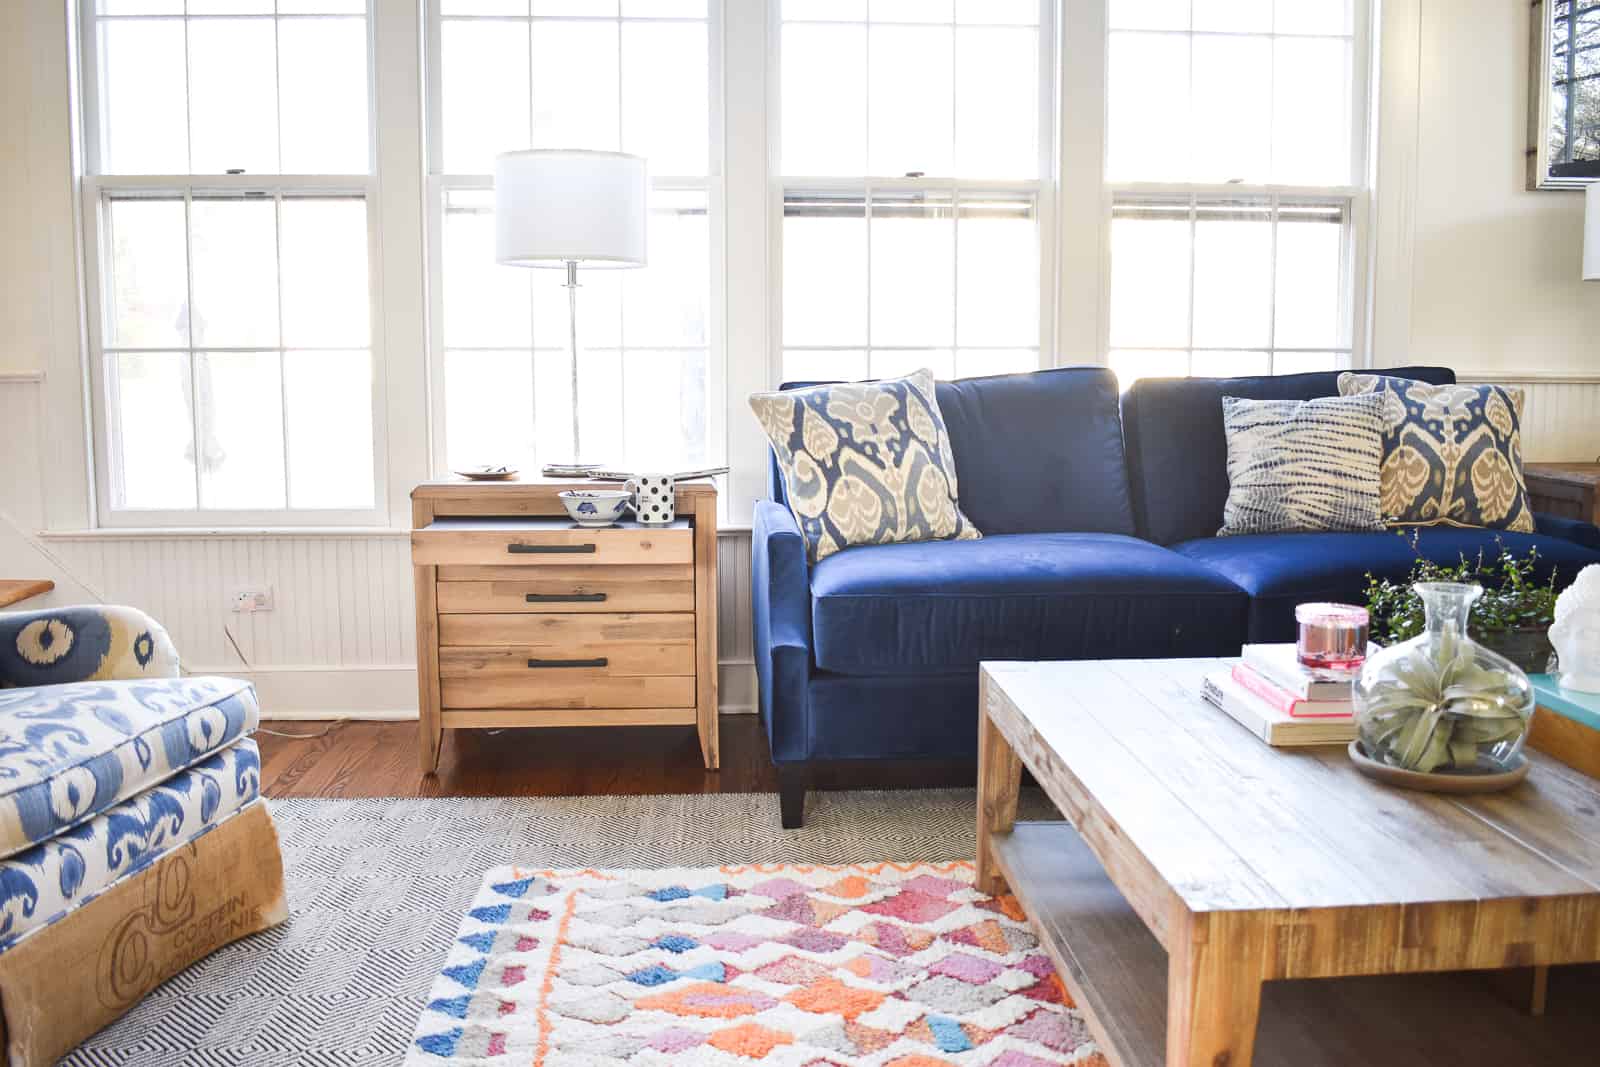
column 635, row 77
column 914, row 144
column 229, row 173
column 1234, row 149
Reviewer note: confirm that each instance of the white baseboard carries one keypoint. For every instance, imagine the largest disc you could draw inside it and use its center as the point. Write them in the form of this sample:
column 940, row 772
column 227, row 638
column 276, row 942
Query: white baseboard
column 288, row 693
column 389, row 694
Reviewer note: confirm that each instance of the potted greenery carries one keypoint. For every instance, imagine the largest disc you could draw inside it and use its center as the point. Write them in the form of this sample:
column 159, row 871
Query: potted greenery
column 1513, row 617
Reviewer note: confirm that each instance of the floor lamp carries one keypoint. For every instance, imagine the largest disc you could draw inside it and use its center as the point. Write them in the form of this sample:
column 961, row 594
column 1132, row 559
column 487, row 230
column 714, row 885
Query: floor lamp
column 570, row 208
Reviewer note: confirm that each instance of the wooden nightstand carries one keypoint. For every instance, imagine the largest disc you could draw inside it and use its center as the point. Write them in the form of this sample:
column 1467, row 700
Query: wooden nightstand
column 525, row 618
column 1570, row 490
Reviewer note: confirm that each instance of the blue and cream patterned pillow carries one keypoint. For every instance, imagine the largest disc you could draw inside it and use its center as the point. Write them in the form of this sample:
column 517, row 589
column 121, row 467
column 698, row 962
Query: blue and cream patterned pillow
column 1302, row 465
column 865, row 463
column 1452, row 454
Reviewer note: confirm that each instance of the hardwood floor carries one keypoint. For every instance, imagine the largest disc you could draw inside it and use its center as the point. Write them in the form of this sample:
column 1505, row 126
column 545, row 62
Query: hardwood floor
column 379, row 759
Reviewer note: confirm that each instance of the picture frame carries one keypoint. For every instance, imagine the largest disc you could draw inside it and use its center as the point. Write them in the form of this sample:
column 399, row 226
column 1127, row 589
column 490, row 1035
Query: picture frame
column 1563, row 150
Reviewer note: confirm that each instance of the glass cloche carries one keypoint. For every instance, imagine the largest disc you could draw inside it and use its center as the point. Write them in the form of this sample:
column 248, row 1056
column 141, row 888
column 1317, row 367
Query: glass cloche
column 1441, row 703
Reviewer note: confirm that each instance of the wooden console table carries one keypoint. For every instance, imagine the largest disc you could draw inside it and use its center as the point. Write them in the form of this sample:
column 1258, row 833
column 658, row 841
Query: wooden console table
column 14, row 591
column 525, row 618
column 1570, row 490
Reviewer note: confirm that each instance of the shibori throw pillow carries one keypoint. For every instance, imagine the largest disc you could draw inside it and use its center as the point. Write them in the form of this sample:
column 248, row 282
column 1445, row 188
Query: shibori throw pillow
column 1302, row 465
column 1452, row 454
column 865, row 463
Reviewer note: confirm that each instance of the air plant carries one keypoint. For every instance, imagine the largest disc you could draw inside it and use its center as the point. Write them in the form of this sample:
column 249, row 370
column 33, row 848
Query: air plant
column 1439, row 709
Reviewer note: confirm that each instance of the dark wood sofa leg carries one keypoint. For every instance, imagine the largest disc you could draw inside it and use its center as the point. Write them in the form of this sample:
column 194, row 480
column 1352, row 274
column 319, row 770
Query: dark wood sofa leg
column 792, row 781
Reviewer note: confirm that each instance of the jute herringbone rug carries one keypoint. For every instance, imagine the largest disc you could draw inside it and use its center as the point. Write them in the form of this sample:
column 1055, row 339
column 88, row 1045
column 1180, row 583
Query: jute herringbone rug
column 377, row 889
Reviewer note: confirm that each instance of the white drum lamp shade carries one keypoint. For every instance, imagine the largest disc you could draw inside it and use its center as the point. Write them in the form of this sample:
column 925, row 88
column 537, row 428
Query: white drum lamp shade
column 558, row 206
column 1591, row 233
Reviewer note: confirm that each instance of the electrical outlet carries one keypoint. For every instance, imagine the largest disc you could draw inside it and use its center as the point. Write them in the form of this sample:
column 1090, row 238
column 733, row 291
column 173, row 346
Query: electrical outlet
column 247, row 600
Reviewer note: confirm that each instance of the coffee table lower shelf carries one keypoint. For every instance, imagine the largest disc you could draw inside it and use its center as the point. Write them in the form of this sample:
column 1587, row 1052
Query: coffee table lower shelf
column 1116, row 972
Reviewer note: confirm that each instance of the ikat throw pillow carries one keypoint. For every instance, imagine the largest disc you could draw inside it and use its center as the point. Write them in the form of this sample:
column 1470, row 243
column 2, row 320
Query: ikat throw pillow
column 1452, row 454
column 865, row 463
column 1302, row 465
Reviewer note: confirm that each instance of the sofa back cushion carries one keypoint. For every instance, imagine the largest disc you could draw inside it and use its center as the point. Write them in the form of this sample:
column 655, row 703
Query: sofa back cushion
column 1035, row 453
column 1178, row 451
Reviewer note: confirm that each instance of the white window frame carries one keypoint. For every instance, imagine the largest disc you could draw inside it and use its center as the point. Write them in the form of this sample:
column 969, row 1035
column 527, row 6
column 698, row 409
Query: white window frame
column 1044, row 189
column 96, row 190
column 1087, row 42
column 439, row 184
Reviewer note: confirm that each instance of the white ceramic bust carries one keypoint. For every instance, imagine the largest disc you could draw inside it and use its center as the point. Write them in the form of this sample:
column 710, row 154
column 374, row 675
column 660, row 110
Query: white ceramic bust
column 1576, row 633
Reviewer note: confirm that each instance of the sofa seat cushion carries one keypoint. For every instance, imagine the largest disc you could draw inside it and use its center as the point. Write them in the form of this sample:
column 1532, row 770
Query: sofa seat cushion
column 941, row 608
column 1284, row 569
column 69, row 752
column 46, row 883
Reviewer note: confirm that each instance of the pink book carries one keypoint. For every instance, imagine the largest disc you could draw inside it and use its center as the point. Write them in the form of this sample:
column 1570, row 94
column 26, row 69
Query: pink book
column 1285, row 702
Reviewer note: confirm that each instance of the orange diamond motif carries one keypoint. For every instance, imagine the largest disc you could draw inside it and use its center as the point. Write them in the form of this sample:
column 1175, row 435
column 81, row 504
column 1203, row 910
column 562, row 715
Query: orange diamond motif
column 749, row 1040
column 710, row 1000
column 849, row 887
column 832, row 997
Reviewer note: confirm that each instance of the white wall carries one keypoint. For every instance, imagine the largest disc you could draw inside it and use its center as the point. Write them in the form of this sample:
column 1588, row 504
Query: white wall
column 1471, row 271
column 1490, row 281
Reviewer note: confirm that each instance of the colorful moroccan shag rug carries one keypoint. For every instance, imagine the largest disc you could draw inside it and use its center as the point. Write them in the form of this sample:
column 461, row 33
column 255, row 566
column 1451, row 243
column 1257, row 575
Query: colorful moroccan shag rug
column 873, row 965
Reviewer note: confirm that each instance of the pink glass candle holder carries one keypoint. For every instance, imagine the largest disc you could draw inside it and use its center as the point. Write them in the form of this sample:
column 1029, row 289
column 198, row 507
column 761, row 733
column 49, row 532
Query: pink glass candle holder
column 1333, row 637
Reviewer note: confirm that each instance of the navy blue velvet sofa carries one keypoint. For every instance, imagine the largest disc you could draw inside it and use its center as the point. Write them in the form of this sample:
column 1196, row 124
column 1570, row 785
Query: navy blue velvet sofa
column 1099, row 514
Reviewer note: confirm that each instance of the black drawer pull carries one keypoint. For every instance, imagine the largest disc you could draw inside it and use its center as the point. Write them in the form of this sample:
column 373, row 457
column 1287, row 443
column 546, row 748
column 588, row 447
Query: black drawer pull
column 528, row 550
column 566, row 598
column 599, row 662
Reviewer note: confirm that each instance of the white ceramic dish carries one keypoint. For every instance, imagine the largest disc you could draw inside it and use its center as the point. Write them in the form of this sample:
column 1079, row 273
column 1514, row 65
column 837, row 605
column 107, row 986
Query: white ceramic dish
column 595, row 507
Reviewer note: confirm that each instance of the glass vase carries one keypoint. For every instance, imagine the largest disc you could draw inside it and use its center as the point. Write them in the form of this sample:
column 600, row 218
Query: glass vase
column 1441, row 703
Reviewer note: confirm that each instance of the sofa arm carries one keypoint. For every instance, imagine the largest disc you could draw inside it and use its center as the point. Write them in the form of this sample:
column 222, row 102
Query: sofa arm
column 780, row 593
column 85, row 643
column 1586, row 534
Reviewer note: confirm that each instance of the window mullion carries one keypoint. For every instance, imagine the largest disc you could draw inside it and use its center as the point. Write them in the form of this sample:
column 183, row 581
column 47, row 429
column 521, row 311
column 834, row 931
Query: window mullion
column 196, row 443
column 283, row 354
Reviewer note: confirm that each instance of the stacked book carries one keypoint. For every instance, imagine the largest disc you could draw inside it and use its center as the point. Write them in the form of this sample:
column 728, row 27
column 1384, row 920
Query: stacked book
column 1281, row 702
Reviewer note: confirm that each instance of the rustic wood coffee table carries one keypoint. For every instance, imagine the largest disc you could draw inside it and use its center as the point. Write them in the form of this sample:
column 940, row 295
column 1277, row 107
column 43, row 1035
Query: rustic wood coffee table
column 1197, row 864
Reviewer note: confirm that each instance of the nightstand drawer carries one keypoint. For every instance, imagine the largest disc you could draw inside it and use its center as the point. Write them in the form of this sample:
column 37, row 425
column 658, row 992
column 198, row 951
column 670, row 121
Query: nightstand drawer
column 506, row 589
column 565, row 646
column 532, row 543
column 573, row 688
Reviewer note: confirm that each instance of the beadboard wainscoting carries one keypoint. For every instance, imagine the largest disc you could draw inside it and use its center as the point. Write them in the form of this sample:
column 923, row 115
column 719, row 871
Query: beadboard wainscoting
column 1561, row 423
column 341, row 637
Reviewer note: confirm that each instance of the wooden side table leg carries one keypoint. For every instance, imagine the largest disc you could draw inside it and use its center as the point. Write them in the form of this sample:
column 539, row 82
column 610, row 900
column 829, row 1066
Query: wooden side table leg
column 705, row 612
column 430, row 731
column 1214, row 970
column 999, row 783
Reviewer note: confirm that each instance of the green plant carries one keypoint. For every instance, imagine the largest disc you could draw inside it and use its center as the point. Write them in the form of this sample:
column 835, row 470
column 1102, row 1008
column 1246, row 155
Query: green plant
column 1513, row 599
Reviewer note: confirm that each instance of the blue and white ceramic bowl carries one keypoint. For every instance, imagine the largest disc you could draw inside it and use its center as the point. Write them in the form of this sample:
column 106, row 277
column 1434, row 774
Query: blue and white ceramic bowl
column 595, row 507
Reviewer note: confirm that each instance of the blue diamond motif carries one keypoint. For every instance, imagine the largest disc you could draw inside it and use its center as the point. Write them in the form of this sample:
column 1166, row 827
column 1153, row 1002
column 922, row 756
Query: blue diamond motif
column 440, row 1044
column 676, row 943
column 455, row 1007
column 672, row 892
column 499, row 913
column 653, row 975
column 516, row 889
column 468, row 975
column 482, row 942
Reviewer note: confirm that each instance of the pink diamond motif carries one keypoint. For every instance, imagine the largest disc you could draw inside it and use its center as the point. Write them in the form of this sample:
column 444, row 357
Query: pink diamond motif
column 912, row 907
column 934, row 887
column 792, row 970
column 733, row 941
column 675, row 1039
column 778, row 888
column 967, row 968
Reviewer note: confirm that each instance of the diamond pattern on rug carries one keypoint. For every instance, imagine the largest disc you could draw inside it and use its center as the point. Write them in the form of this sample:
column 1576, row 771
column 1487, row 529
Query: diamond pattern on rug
column 874, row 965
